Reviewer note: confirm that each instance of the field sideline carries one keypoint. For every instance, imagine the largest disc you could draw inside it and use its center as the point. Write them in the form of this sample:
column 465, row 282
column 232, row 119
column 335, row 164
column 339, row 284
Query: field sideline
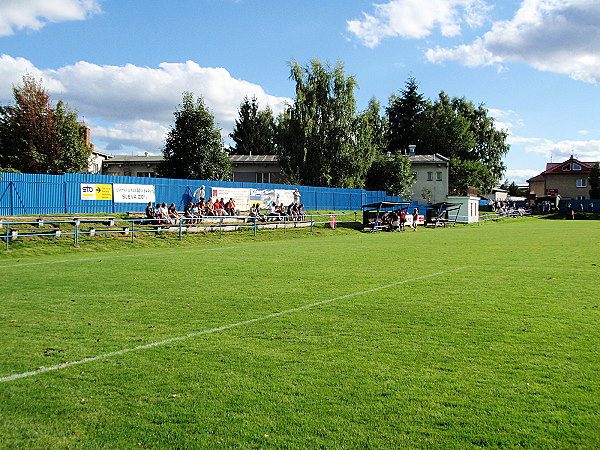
column 462, row 337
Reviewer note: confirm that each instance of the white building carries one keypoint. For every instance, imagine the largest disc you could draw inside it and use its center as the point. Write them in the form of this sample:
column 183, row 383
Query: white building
column 469, row 208
column 431, row 178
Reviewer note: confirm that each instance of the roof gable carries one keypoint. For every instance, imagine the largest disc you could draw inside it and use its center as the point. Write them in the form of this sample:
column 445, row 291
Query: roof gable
column 568, row 167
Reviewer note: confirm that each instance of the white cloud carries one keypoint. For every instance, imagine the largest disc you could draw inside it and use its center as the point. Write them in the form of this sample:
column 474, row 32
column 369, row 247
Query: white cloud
column 142, row 134
column 417, row 19
column 561, row 36
column 35, row 14
column 582, row 150
column 507, row 120
column 133, row 106
column 11, row 74
column 520, row 176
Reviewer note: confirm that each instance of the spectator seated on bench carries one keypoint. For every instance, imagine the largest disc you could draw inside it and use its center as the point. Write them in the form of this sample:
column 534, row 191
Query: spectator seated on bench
column 173, row 214
column 301, row 215
column 231, row 209
column 255, row 212
column 219, row 208
column 150, row 212
column 272, row 212
column 281, row 210
column 209, row 208
column 292, row 211
column 162, row 214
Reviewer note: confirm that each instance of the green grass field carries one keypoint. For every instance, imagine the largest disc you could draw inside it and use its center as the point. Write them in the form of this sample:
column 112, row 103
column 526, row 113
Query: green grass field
column 471, row 336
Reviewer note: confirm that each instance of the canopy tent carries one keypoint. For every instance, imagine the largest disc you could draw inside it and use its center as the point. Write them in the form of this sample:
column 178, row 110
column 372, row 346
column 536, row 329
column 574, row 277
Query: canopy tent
column 439, row 213
column 373, row 212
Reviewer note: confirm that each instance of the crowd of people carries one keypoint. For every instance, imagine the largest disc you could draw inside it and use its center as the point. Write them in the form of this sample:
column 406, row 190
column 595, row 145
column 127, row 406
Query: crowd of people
column 293, row 212
column 210, row 207
column 194, row 212
column 396, row 220
column 162, row 215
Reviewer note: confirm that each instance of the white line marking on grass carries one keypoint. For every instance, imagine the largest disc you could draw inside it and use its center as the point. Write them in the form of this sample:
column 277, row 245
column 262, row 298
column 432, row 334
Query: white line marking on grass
column 224, row 327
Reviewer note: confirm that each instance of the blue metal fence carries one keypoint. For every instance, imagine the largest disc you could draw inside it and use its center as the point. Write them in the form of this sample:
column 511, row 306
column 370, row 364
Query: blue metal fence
column 33, row 194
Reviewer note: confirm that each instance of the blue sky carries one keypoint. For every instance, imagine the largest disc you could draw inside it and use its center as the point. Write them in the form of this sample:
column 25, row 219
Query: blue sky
column 123, row 65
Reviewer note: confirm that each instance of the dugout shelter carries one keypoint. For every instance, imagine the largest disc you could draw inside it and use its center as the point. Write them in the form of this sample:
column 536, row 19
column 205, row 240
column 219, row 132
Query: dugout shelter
column 373, row 213
column 440, row 214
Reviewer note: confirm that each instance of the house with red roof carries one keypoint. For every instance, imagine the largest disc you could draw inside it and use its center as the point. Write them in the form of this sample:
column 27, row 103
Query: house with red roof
column 570, row 179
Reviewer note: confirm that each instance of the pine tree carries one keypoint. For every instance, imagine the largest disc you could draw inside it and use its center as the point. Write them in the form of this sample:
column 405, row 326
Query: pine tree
column 405, row 117
column 254, row 130
column 194, row 147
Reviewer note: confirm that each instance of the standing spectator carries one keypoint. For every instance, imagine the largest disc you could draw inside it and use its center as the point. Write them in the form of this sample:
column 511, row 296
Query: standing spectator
column 297, row 196
column 402, row 220
column 200, row 193
column 415, row 218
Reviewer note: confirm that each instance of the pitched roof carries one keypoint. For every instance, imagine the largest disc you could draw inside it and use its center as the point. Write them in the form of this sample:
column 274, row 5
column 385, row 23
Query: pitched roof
column 435, row 158
column 139, row 159
column 558, row 167
column 253, row 158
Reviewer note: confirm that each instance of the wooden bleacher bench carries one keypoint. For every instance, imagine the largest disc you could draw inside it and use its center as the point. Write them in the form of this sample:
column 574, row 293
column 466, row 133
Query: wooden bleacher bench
column 15, row 232
column 98, row 230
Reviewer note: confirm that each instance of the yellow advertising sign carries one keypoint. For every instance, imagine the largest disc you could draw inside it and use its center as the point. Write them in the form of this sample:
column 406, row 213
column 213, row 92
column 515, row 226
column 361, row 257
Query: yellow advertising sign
column 96, row 191
column 104, row 192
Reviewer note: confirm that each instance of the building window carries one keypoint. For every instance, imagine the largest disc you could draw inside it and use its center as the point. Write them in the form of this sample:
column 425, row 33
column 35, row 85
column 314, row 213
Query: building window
column 429, row 176
column 263, row 177
column 580, row 197
column 567, row 167
column 576, row 166
column 581, row 183
column 145, row 174
column 438, row 176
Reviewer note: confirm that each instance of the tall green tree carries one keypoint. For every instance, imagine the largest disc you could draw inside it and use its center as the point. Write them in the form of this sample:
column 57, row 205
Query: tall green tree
column 446, row 131
column 254, row 130
column 490, row 141
column 455, row 128
column 37, row 138
column 391, row 174
column 317, row 141
column 405, row 117
column 194, row 147
column 390, row 171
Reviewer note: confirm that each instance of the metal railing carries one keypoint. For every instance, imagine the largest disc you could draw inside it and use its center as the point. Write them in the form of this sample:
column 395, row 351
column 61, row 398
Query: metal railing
column 501, row 215
column 11, row 230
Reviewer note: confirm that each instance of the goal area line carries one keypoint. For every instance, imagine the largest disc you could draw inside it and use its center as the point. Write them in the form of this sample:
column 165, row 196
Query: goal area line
column 221, row 328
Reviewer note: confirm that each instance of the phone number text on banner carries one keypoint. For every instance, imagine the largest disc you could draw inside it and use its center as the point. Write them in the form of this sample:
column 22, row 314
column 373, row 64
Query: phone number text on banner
column 133, row 193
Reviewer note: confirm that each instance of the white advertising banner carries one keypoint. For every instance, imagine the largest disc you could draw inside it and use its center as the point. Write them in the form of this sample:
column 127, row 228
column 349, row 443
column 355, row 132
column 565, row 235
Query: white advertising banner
column 133, row 193
column 265, row 197
column 285, row 196
column 240, row 195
